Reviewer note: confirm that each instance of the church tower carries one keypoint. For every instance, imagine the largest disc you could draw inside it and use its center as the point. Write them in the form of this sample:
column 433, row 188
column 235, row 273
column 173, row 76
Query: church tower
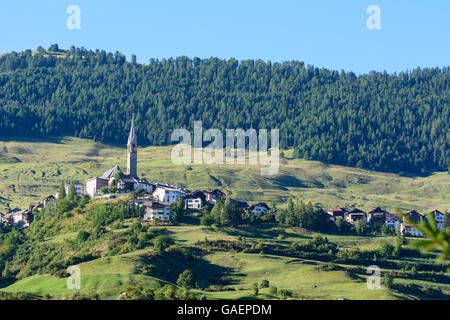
column 132, row 152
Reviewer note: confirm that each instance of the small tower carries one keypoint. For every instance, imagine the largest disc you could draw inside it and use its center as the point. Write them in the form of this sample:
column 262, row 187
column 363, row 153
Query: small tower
column 132, row 152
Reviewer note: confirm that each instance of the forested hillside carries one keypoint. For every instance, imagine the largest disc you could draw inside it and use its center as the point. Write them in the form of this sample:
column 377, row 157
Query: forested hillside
column 387, row 122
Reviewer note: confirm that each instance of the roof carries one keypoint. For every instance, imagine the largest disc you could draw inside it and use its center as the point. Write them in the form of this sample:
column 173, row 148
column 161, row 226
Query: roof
column 415, row 216
column 143, row 181
column 196, row 195
column 110, row 173
column 414, row 212
column 169, row 188
column 9, row 214
column 378, row 210
column 216, row 192
column 340, row 209
column 240, row 203
column 156, row 204
column 356, row 210
column 130, row 179
column 132, row 139
column 261, row 204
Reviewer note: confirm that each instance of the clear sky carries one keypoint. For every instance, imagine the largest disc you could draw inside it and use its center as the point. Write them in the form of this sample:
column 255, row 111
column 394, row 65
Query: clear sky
column 324, row 33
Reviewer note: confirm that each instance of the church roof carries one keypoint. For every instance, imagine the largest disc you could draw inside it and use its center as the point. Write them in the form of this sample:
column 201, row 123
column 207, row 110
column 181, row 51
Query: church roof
column 132, row 139
column 110, row 173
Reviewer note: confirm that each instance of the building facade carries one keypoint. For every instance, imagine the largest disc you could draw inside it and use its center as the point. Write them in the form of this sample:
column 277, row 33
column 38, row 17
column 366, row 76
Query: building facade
column 157, row 211
column 93, row 185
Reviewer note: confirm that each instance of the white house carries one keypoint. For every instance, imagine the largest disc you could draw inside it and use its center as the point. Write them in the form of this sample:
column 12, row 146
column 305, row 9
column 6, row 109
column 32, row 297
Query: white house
column 17, row 218
column 439, row 217
column 195, row 200
column 79, row 188
column 157, row 211
column 168, row 194
column 193, row 203
column 143, row 184
column 259, row 208
column 406, row 229
column 392, row 220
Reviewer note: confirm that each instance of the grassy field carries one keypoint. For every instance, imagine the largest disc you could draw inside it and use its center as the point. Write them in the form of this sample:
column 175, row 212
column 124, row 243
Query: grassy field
column 32, row 169
column 107, row 276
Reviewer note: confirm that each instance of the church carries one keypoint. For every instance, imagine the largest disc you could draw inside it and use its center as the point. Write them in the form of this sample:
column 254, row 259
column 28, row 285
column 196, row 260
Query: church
column 128, row 182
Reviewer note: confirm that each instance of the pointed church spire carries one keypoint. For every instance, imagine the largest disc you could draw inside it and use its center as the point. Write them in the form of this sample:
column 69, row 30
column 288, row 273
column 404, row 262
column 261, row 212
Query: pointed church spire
column 132, row 152
column 132, row 137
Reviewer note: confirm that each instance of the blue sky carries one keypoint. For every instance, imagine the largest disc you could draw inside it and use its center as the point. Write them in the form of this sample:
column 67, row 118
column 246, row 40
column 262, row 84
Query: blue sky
column 324, row 33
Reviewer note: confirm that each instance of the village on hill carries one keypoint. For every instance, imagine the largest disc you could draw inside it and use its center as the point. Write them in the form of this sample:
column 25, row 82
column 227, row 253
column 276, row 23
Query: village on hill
column 158, row 199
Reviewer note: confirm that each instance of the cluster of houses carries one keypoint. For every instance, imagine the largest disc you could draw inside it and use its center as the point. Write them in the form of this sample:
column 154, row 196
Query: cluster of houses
column 159, row 198
column 158, row 205
column 21, row 218
column 381, row 216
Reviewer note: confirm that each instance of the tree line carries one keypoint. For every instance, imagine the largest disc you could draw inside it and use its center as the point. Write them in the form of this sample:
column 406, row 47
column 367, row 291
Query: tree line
column 388, row 122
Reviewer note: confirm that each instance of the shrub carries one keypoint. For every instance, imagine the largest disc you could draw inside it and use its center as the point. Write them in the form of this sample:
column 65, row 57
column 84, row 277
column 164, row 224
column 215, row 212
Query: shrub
column 284, row 293
column 161, row 243
column 83, row 236
column 388, row 281
column 186, row 279
column 255, row 289
column 264, row 284
column 273, row 291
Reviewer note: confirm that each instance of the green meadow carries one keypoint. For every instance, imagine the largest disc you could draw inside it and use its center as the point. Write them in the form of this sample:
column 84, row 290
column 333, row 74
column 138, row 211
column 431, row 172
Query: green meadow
column 107, row 276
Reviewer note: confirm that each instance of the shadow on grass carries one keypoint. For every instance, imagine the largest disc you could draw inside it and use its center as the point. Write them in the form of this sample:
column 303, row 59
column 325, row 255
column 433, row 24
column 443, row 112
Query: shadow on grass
column 169, row 266
column 264, row 232
column 56, row 140
column 414, row 291
column 4, row 284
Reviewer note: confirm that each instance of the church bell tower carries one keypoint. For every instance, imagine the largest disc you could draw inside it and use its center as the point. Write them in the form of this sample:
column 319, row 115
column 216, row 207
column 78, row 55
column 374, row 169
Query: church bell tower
column 132, row 152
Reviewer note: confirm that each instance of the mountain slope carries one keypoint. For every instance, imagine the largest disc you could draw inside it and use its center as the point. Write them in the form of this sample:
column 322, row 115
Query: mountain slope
column 384, row 122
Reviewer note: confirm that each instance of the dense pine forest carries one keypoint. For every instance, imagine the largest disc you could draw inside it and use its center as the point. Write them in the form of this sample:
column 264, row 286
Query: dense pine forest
column 379, row 121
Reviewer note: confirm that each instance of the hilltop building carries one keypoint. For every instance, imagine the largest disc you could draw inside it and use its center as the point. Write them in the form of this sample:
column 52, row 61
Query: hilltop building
column 132, row 152
column 125, row 183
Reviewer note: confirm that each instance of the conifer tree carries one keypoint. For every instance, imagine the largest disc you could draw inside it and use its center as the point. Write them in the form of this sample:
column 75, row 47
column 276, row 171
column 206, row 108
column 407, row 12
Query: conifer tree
column 72, row 196
column 62, row 190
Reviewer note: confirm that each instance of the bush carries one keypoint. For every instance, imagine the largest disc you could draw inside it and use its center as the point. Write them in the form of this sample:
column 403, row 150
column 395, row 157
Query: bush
column 255, row 289
column 388, row 281
column 206, row 220
column 264, row 284
column 83, row 236
column 186, row 279
column 161, row 243
column 137, row 293
column 329, row 266
column 284, row 294
column 273, row 291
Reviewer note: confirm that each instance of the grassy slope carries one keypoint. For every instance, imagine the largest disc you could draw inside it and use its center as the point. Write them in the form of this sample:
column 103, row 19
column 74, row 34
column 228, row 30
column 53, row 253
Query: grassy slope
column 108, row 275
column 105, row 276
column 32, row 169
